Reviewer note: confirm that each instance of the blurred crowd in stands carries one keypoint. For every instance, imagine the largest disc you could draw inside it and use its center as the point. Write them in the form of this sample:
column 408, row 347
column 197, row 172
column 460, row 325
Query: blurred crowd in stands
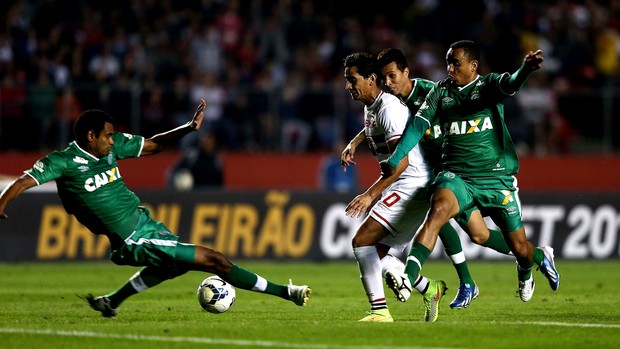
column 271, row 70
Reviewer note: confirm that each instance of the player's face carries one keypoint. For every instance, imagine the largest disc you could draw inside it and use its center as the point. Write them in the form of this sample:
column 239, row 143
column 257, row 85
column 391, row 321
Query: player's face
column 358, row 87
column 396, row 81
column 461, row 70
column 101, row 144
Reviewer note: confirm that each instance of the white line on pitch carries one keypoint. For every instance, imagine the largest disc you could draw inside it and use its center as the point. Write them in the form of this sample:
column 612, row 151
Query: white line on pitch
column 201, row 340
column 561, row 324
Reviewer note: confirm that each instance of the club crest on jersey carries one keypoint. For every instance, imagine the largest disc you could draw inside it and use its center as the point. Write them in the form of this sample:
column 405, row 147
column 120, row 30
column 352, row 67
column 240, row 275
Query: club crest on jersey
column 448, row 174
column 38, row 166
column 468, row 126
column 80, row 160
column 102, row 179
column 370, row 121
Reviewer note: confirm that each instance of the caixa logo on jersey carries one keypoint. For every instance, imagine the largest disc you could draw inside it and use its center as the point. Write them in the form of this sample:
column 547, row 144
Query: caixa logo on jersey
column 468, row 126
column 101, row 179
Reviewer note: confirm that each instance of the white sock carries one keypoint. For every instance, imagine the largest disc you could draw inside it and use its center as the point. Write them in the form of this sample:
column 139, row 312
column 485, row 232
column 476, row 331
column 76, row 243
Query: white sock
column 390, row 262
column 421, row 283
column 370, row 272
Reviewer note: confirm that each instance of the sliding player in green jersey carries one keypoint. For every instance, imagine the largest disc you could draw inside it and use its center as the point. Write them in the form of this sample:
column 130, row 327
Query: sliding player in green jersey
column 91, row 188
column 478, row 163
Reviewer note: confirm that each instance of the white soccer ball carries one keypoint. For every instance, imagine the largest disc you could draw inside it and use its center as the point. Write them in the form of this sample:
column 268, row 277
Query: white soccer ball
column 216, row 295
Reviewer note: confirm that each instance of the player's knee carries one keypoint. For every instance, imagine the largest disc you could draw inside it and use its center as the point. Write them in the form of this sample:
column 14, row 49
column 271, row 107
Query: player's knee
column 365, row 236
column 520, row 249
column 440, row 210
column 213, row 261
column 358, row 241
column 478, row 238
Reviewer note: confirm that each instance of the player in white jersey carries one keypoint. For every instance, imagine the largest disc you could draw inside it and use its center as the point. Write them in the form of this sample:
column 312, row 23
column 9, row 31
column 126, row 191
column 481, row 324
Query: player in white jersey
column 394, row 219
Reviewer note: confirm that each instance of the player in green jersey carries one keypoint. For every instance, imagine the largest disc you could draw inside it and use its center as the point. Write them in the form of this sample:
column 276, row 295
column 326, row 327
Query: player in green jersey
column 91, row 188
column 478, row 160
column 412, row 91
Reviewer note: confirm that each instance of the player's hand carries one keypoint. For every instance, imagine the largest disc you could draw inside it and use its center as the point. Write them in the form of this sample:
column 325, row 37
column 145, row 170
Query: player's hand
column 346, row 158
column 533, row 60
column 358, row 206
column 386, row 170
column 3, row 215
column 198, row 116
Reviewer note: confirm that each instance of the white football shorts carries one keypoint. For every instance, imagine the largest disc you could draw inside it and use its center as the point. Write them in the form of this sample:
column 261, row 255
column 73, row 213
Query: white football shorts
column 401, row 211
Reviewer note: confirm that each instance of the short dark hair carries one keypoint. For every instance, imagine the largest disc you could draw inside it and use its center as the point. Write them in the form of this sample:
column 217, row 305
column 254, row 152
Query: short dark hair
column 90, row 120
column 365, row 62
column 469, row 47
column 390, row 55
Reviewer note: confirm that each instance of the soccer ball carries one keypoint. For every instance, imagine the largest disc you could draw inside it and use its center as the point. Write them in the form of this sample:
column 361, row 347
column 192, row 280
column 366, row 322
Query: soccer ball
column 215, row 295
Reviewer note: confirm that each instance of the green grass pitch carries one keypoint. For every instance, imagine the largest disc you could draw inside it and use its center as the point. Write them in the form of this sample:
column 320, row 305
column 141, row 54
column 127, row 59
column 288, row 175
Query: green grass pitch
column 39, row 308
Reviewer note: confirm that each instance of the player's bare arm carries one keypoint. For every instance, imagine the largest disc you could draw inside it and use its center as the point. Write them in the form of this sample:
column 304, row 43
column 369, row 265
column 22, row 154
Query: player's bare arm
column 13, row 190
column 160, row 141
column 346, row 159
column 390, row 173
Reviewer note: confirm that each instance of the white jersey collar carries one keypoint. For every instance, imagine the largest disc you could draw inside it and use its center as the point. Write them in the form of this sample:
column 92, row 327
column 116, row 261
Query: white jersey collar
column 74, row 143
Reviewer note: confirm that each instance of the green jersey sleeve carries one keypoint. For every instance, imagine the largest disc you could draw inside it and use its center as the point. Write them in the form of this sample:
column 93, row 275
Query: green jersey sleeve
column 48, row 168
column 127, row 145
column 417, row 127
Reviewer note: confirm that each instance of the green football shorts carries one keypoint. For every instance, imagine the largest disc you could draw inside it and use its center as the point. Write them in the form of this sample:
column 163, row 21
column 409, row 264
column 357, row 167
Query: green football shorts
column 152, row 244
column 496, row 197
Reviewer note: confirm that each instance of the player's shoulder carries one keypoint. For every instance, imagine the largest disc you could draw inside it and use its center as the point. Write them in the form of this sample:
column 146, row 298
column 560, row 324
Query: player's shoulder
column 388, row 99
column 493, row 77
column 62, row 155
column 423, row 82
column 123, row 137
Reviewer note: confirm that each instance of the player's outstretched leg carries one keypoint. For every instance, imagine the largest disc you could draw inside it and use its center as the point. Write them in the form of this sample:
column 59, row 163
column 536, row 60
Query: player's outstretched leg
column 142, row 280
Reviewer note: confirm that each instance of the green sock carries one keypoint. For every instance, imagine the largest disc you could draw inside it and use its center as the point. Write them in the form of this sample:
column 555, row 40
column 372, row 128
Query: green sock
column 497, row 242
column 524, row 273
column 538, row 256
column 420, row 253
column 117, row 297
column 247, row 280
column 463, row 271
column 241, row 278
column 146, row 278
column 452, row 245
